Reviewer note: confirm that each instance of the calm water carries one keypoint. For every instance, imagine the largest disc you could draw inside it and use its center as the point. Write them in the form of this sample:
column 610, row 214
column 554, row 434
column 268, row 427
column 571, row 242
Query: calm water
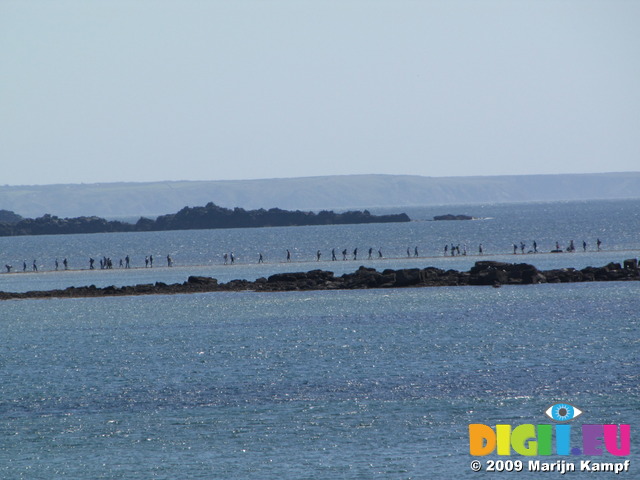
column 317, row 385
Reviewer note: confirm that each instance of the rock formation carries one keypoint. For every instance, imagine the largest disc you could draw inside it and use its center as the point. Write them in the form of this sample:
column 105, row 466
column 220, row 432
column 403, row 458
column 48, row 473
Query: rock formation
column 482, row 273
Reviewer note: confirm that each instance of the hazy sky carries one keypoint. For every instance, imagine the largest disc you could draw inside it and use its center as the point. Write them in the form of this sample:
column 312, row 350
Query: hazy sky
column 101, row 91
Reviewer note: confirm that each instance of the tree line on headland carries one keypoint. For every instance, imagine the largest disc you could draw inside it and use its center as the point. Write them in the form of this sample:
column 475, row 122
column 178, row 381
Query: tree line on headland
column 189, row 218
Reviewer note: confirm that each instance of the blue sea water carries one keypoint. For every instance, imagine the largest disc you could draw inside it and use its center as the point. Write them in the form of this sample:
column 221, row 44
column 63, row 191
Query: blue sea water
column 313, row 385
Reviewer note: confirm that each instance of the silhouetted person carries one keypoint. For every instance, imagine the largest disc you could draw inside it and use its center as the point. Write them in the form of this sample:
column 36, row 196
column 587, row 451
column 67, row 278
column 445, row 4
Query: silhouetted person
column 24, row 266
column 480, row 249
column 8, row 267
column 408, row 252
column 35, row 267
column 127, row 263
column 146, row 262
column 344, row 254
column 379, row 253
column 355, row 253
column 598, row 243
column 584, row 246
column 225, row 257
column 370, row 252
column 288, row 256
column 169, row 261
column 415, row 252
column 151, row 261
column 535, row 247
column 56, row 264
column 446, row 249
column 66, row 264
column 91, row 260
column 260, row 259
column 333, row 255
column 233, row 259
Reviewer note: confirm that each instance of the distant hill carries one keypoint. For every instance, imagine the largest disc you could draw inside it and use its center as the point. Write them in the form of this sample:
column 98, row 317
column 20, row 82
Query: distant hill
column 122, row 200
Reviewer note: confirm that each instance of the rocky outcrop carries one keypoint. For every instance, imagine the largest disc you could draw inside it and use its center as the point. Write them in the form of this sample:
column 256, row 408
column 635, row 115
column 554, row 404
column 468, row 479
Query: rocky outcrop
column 482, row 273
column 452, row 217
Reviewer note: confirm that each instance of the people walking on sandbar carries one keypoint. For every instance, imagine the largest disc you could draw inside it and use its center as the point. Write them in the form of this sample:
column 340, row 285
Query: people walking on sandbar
column 91, row 261
column 56, row 264
column 260, row 258
column 225, row 257
column 355, row 253
column 480, row 249
column 408, row 253
column 8, row 267
column 370, row 252
column 344, row 254
column 318, row 255
column 598, row 243
column 333, row 255
column 169, row 261
column 584, row 246
column 232, row 258
column 379, row 253
column 66, row 264
column 415, row 251
column 127, row 262
column 535, row 247
column 288, row 256
column 34, row 266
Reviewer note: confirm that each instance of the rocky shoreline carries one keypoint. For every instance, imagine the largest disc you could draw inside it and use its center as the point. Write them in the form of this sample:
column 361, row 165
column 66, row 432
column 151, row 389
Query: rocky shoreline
column 487, row 273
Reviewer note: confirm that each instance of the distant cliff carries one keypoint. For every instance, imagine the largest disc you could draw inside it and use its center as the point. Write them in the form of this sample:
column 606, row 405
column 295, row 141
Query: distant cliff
column 339, row 192
column 192, row 218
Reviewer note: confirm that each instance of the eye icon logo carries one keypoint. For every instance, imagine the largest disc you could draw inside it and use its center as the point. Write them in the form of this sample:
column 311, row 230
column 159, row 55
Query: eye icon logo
column 562, row 412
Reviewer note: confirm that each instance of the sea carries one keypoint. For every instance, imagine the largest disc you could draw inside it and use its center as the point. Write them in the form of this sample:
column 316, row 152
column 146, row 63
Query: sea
column 353, row 384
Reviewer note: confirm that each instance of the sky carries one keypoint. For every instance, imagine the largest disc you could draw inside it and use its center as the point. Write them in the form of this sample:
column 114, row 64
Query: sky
column 107, row 91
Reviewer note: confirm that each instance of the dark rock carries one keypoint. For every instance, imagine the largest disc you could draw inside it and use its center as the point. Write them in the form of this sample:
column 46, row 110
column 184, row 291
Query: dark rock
column 144, row 288
column 452, row 217
column 407, row 277
column 287, row 277
column 482, row 273
column 202, row 280
column 363, row 278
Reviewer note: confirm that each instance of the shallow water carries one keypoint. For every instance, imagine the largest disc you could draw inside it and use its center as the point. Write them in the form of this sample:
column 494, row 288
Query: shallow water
column 200, row 252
